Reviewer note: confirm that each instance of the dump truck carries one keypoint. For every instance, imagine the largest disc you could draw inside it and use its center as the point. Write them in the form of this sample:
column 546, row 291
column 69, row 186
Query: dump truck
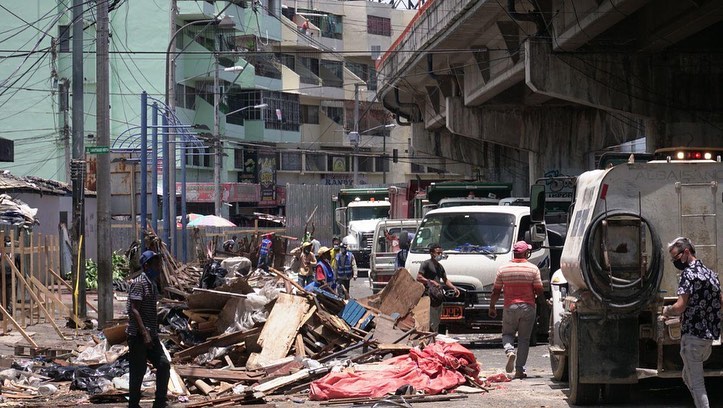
column 606, row 331
column 460, row 193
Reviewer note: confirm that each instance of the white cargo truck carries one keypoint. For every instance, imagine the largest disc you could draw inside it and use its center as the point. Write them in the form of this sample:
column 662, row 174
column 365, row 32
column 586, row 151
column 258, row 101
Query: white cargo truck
column 605, row 327
column 476, row 240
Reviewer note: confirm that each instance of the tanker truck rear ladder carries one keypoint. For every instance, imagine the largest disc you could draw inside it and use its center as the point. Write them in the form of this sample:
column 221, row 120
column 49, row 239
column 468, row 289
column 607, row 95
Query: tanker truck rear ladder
column 692, row 218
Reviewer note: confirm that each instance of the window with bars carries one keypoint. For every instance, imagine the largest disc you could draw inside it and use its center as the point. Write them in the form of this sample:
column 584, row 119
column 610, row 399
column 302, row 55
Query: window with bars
column 199, row 157
column 315, row 162
column 185, row 96
column 335, row 113
column 379, row 26
column 332, row 73
column 360, row 70
column 290, row 161
column 310, row 114
column 243, row 99
column 372, row 80
column 283, row 111
column 330, row 25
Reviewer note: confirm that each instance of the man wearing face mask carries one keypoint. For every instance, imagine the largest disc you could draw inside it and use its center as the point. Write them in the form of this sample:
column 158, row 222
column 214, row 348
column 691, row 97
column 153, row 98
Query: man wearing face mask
column 345, row 267
column 432, row 273
column 521, row 282
column 143, row 342
column 335, row 242
column 698, row 304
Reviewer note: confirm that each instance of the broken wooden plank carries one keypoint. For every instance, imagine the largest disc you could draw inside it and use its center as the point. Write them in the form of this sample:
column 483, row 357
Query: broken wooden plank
column 287, row 316
column 67, row 285
column 217, row 292
column 299, row 346
column 203, row 387
column 218, row 374
column 282, row 381
column 57, row 302
column 218, row 341
column 17, row 326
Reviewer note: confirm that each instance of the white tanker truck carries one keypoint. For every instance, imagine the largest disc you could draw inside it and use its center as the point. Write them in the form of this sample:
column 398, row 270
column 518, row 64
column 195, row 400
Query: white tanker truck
column 615, row 275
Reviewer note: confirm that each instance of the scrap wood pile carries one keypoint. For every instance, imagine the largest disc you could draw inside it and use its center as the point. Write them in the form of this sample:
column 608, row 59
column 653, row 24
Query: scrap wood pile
column 261, row 337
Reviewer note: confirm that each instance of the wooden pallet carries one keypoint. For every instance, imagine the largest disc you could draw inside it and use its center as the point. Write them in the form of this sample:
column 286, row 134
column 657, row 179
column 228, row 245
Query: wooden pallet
column 29, row 351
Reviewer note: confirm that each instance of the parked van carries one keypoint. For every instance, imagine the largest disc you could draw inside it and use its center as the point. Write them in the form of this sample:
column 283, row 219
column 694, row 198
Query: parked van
column 384, row 250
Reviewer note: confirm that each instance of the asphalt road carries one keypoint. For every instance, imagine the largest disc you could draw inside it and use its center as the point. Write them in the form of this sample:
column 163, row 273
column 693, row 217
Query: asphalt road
column 539, row 390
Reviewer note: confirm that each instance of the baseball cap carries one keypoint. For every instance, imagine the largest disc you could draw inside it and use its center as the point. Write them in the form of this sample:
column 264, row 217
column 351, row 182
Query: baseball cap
column 147, row 256
column 521, row 247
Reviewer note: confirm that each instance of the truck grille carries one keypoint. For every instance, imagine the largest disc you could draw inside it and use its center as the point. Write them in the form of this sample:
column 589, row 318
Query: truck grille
column 366, row 241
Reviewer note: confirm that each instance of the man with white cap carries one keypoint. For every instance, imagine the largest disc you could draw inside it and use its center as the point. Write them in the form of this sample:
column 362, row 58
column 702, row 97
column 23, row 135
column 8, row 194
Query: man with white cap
column 143, row 342
column 521, row 282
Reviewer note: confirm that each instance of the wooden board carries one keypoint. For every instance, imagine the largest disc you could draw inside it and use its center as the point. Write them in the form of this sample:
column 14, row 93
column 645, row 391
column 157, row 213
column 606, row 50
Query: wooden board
column 219, row 341
column 218, row 374
column 399, row 296
column 279, row 332
column 421, row 314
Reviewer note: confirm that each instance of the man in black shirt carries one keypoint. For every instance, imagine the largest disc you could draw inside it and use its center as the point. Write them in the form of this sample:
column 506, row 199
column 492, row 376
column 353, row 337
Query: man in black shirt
column 431, row 274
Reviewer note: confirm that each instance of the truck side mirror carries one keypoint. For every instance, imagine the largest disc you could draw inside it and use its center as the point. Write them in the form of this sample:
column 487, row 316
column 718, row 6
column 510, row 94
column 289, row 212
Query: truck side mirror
column 340, row 217
column 536, row 234
column 537, row 202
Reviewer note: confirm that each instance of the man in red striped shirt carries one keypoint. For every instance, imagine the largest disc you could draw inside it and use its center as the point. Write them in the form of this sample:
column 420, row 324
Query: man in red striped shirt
column 521, row 282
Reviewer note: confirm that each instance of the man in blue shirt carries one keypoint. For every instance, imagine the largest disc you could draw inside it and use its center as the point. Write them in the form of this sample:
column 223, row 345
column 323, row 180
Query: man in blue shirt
column 698, row 304
column 264, row 251
column 345, row 267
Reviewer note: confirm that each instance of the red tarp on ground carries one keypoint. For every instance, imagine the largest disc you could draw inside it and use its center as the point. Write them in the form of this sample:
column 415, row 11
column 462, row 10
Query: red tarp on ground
column 437, row 368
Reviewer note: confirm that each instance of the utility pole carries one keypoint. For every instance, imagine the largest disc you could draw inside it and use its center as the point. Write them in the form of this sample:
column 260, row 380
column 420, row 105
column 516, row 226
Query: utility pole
column 171, row 191
column 103, row 181
column 78, row 164
column 354, row 136
column 217, row 153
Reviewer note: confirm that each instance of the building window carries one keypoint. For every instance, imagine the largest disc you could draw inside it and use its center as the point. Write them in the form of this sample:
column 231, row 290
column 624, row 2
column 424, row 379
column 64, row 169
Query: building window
column 199, row 157
column 288, row 60
column 379, row 26
column 185, row 96
column 381, row 164
column 315, row 162
column 366, row 164
column 330, row 25
column 283, row 111
column 360, row 70
column 376, row 51
column 332, row 73
column 290, row 161
column 64, row 38
column 335, row 113
column 416, row 168
column 308, row 70
column 244, row 99
column 372, row 81
column 310, row 114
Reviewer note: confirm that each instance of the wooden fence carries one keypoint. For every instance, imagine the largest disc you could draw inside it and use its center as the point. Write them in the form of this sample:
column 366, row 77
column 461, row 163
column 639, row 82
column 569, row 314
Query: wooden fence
column 31, row 285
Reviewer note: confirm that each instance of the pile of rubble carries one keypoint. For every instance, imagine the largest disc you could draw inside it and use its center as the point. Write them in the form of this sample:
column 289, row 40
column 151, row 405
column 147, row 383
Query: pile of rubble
column 260, row 337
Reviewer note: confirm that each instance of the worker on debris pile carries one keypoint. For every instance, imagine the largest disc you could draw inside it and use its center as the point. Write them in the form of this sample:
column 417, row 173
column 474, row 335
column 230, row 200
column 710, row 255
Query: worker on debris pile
column 265, row 251
column 229, row 244
column 520, row 280
column 306, row 262
column 324, row 277
column 345, row 268
column 432, row 275
column 143, row 342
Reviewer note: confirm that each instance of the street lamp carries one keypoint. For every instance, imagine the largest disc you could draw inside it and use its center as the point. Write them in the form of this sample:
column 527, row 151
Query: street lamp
column 218, row 152
column 170, row 102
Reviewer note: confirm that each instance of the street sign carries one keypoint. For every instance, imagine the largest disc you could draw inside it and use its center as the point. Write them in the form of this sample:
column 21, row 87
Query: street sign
column 97, row 149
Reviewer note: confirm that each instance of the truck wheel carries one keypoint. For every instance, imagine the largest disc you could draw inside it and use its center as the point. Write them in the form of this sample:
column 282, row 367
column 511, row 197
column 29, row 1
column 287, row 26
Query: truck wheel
column 616, row 393
column 580, row 394
column 558, row 362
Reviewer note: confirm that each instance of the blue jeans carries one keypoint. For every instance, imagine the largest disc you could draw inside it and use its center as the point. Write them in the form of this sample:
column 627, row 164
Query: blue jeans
column 518, row 318
column 694, row 351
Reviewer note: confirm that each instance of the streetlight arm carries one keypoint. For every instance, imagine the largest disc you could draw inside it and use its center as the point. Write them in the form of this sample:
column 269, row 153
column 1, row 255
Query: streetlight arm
column 260, row 106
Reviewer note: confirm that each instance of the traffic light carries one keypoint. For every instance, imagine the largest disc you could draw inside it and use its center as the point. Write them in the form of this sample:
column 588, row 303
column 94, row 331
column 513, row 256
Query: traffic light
column 395, row 155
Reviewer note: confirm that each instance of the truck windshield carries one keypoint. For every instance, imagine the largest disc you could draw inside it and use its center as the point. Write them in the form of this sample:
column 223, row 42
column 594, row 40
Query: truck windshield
column 488, row 233
column 368, row 213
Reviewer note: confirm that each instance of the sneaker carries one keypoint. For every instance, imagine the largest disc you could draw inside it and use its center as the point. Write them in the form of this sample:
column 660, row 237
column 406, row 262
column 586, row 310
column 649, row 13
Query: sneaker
column 520, row 374
column 510, row 362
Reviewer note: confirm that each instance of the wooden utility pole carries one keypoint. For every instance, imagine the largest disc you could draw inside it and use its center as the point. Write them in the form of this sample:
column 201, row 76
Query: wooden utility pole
column 78, row 164
column 103, row 180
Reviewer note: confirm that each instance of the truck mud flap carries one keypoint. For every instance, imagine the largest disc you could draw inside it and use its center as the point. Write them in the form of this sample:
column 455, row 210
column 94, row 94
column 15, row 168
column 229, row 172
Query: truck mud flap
column 608, row 350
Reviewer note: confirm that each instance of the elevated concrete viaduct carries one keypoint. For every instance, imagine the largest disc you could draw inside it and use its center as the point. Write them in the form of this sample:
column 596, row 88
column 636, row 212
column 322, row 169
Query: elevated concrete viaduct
column 512, row 90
